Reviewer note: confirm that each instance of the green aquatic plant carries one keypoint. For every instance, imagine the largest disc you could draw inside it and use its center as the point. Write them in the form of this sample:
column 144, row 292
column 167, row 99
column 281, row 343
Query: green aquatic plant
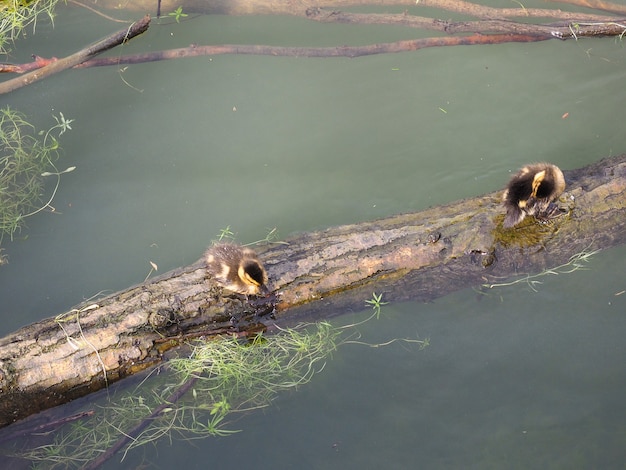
column 230, row 369
column 271, row 238
column 177, row 14
column 219, row 378
column 575, row 263
column 17, row 15
column 25, row 159
column 226, row 233
column 376, row 303
column 202, row 394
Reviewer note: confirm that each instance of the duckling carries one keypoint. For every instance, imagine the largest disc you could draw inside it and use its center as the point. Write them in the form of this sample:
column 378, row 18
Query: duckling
column 531, row 192
column 237, row 269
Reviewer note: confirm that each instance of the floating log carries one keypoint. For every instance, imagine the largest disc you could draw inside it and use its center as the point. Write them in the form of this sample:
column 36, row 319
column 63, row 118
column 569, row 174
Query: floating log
column 416, row 256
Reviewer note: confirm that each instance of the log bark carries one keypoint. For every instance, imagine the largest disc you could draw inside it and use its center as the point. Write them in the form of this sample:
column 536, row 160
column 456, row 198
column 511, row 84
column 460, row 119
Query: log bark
column 419, row 256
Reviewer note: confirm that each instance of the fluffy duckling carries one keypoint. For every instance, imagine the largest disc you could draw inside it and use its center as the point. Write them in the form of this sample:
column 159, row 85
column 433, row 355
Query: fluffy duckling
column 237, row 269
column 531, row 192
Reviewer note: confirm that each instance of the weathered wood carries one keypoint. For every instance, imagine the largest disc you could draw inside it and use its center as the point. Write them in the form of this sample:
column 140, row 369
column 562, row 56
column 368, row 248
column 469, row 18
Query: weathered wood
column 420, row 255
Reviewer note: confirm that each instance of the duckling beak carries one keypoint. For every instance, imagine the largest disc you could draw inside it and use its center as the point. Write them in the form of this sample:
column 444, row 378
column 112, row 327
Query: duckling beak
column 264, row 290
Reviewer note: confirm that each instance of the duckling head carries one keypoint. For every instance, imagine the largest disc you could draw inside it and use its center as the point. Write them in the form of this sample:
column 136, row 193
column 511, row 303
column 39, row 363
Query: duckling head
column 237, row 269
column 549, row 183
column 253, row 277
column 531, row 192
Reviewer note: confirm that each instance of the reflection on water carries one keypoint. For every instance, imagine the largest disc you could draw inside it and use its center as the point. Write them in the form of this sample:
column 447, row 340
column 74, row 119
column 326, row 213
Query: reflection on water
column 511, row 379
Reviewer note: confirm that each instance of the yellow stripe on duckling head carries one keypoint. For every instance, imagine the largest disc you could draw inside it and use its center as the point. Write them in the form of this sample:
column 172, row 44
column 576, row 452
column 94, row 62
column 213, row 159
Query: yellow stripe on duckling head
column 245, row 277
column 537, row 180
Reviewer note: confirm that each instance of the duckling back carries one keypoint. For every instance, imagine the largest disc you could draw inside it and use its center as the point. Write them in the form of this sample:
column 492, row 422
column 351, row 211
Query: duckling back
column 531, row 192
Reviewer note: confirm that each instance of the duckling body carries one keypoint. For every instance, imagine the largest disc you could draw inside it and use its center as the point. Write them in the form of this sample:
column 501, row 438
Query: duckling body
column 531, row 191
column 237, row 269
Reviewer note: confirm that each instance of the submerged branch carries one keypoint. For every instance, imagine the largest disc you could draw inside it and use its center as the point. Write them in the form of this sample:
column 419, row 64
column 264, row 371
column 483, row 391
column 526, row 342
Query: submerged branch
column 280, row 51
column 130, row 435
column 57, row 65
column 531, row 34
column 597, row 5
column 340, row 51
column 300, row 7
column 486, row 12
column 492, row 28
column 597, row 25
column 490, row 31
column 482, row 25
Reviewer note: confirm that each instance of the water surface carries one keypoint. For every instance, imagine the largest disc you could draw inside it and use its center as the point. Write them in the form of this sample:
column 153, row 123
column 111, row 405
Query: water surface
column 170, row 153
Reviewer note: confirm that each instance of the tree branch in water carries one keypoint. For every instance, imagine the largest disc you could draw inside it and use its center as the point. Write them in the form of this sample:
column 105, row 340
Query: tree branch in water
column 56, row 65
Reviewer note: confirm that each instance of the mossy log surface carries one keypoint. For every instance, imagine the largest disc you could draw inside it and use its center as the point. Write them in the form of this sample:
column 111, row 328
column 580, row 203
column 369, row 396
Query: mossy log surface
column 419, row 256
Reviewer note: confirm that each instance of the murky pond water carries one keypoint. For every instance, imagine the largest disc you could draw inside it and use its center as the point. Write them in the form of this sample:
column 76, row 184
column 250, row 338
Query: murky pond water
column 169, row 153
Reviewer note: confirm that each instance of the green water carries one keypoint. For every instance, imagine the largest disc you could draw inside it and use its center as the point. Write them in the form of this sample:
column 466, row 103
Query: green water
column 169, row 153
